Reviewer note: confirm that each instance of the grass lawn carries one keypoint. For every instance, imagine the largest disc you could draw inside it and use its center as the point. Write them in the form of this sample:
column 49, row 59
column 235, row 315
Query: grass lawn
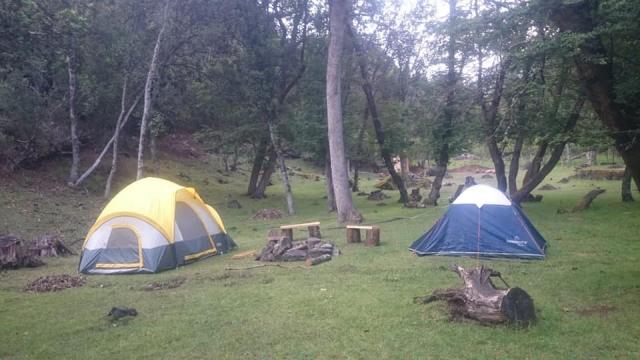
column 357, row 306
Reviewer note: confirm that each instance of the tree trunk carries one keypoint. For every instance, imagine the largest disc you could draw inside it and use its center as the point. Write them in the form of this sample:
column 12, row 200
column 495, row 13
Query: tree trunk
column 599, row 80
column 267, row 170
column 445, row 127
column 346, row 211
column 282, row 166
column 122, row 120
column 536, row 162
column 556, row 154
column 331, row 196
column 626, row 186
column 377, row 125
column 359, row 150
column 514, row 166
column 151, row 75
column 75, row 141
column 258, row 163
column 124, row 116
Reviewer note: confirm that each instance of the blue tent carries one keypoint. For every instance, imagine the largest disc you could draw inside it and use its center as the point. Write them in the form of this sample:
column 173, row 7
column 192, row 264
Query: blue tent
column 483, row 222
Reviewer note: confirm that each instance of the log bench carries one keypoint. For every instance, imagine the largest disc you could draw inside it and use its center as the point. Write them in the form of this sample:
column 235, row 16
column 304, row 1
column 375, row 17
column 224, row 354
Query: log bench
column 372, row 235
column 313, row 227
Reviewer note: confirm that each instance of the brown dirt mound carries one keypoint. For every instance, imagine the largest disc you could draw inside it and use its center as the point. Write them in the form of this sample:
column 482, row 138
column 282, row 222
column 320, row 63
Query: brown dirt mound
column 267, row 214
column 472, row 169
column 55, row 283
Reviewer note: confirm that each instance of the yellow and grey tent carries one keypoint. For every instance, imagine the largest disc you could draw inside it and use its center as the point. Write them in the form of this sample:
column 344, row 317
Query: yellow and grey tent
column 153, row 225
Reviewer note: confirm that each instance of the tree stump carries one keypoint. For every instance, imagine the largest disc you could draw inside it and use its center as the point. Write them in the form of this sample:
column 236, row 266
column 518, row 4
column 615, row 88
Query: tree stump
column 353, row 236
column 586, row 201
column 373, row 236
column 480, row 300
column 314, row 231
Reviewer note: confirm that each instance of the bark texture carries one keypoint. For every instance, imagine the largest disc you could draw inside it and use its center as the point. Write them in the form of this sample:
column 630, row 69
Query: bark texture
column 73, row 119
column 148, row 87
column 346, row 211
column 626, row 186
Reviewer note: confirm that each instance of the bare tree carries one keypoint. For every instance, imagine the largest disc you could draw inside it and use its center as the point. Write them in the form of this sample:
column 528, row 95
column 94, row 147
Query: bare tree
column 377, row 124
column 337, row 23
column 151, row 75
column 73, row 120
column 446, row 130
column 122, row 119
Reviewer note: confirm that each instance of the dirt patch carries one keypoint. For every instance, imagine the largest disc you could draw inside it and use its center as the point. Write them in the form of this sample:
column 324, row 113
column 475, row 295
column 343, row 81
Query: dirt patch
column 548, row 187
column 181, row 145
column 472, row 169
column 599, row 174
column 162, row 285
column 55, row 283
column 267, row 214
column 600, row 309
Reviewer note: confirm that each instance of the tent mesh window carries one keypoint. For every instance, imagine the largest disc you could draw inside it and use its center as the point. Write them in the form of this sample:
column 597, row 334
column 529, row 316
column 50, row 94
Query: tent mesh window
column 123, row 238
column 189, row 223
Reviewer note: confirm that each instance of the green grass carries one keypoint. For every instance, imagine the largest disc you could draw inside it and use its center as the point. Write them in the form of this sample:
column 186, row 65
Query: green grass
column 358, row 306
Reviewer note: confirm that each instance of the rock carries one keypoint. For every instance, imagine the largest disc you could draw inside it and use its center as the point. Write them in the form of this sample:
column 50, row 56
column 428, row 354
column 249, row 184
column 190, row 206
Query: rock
column 377, row 195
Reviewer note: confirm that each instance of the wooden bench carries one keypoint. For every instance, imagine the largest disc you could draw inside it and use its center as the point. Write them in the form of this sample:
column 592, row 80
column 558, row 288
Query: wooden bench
column 314, row 229
column 372, row 235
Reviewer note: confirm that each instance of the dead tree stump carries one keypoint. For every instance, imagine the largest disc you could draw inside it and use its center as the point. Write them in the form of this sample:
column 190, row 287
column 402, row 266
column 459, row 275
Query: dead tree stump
column 586, row 201
column 480, row 300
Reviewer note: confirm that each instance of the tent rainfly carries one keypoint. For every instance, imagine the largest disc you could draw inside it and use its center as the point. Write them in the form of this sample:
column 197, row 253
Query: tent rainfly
column 153, row 225
column 482, row 222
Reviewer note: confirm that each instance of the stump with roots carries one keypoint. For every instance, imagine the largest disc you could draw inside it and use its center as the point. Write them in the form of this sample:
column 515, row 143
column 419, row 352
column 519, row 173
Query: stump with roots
column 480, row 300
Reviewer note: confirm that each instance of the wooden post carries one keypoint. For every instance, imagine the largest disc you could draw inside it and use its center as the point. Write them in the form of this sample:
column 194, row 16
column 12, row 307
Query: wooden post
column 353, row 235
column 288, row 233
column 314, row 231
column 373, row 237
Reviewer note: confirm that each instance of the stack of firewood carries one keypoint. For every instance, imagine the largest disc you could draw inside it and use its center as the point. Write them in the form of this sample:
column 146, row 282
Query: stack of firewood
column 17, row 253
column 281, row 248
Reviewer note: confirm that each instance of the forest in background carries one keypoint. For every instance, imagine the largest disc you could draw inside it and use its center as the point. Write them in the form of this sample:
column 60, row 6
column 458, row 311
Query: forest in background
column 528, row 81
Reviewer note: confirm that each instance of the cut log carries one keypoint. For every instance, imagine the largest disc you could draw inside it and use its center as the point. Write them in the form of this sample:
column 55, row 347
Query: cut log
column 353, row 235
column 318, row 260
column 480, row 300
column 373, row 237
column 586, row 201
column 320, row 251
column 294, row 255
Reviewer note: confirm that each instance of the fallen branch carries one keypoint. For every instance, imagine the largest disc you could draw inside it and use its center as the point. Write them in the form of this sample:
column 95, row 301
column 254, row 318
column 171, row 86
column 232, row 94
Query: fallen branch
column 586, row 201
column 264, row 265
